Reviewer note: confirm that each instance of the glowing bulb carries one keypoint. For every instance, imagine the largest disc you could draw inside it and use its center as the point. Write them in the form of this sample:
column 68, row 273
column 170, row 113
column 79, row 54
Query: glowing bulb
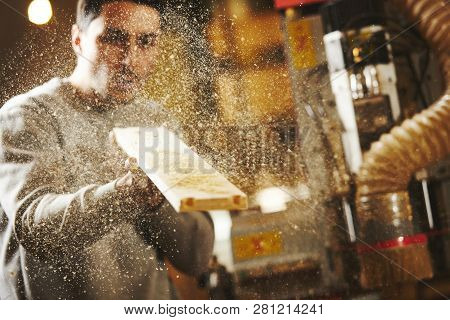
column 272, row 200
column 40, row 11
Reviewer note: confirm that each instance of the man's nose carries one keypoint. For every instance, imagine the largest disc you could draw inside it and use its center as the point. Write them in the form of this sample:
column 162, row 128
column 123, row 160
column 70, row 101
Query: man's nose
column 127, row 55
column 129, row 50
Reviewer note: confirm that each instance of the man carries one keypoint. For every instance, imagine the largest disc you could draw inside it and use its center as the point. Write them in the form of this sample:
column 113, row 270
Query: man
column 77, row 223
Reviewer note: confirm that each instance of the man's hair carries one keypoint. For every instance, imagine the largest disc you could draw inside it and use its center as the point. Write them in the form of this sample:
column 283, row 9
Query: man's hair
column 88, row 10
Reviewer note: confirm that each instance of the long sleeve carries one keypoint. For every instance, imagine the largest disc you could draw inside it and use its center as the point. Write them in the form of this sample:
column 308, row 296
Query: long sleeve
column 49, row 218
column 186, row 239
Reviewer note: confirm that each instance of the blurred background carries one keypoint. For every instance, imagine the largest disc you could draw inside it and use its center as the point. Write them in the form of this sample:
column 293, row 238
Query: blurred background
column 264, row 90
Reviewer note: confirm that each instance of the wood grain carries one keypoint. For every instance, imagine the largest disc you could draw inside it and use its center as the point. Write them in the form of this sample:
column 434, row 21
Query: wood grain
column 184, row 178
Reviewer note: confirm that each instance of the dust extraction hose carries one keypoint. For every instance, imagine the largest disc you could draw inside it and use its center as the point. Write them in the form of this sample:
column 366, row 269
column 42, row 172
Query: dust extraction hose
column 391, row 252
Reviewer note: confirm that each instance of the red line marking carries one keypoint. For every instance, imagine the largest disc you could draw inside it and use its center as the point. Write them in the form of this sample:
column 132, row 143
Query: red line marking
column 394, row 243
column 283, row 4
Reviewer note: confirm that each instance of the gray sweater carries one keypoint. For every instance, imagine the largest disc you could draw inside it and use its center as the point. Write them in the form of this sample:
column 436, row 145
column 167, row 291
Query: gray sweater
column 66, row 232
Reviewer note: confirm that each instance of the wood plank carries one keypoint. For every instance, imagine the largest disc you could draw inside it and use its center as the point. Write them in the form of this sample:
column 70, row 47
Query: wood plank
column 187, row 181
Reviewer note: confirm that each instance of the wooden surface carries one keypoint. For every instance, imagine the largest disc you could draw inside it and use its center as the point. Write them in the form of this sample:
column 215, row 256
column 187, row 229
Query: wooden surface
column 185, row 179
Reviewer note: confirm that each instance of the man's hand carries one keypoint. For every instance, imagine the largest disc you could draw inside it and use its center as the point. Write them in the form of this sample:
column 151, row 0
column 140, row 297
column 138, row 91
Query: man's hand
column 139, row 185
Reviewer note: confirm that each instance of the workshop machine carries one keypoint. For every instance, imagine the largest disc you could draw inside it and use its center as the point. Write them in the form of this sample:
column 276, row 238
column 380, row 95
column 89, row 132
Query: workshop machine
column 293, row 241
column 375, row 213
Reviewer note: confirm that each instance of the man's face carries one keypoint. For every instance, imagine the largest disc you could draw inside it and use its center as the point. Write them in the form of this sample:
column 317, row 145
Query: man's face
column 120, row 48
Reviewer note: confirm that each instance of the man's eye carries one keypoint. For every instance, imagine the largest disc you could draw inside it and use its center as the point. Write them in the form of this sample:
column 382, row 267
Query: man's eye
column 146, row 41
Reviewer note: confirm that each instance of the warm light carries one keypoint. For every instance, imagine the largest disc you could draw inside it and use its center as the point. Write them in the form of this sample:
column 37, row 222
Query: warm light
column 272, row 200
column 40, row 11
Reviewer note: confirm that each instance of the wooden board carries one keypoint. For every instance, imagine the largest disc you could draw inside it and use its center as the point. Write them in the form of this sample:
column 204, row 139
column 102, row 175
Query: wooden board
column 184, row 178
